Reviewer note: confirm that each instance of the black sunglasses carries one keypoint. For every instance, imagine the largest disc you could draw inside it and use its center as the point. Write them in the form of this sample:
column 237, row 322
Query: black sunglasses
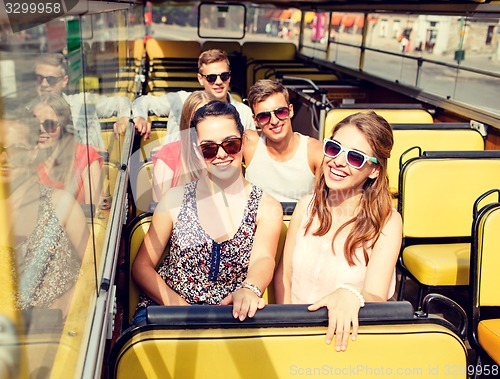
column 264, row 118
column 229, row 145
column 49, row 126
column 51, row 80
column 354, row 158
column 212, row 78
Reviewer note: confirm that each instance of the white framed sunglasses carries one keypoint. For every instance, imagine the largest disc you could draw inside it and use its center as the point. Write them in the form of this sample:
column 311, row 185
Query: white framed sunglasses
column 354, row 158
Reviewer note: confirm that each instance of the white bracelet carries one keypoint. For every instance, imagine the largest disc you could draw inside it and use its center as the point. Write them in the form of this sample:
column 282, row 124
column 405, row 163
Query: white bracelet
column 252, row 287
column 354, row 291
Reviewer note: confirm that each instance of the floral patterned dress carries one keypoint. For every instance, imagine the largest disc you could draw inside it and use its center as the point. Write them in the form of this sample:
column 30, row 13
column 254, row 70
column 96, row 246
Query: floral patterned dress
column 199, row 269
column 48, row 264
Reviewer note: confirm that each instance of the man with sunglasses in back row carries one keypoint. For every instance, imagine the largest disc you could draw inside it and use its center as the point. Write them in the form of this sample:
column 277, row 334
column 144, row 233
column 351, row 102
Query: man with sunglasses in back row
column 213, row 74
column 51, row 74
column 279, row 161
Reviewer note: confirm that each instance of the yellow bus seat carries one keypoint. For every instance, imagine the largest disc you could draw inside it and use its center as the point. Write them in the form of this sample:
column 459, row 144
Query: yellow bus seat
column 258, row 52
column 485, row 281
column 135, row 233
column 172, row 49
column 143, row 187
column 288, row 208
column 436, row 196
column 173, row 85
column 268, row 50
column 137, row 50
column 398, row 114
column 173, row 73
column 429, row 137
column 311, row 73
column 156, row 139
column 98, row 230
column 230, row 47
column 112, row 144
column 284, row 341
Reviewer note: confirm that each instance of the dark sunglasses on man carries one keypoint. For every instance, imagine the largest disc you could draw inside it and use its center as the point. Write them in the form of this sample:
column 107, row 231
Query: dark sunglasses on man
column 51, row 80
column 264, row 118
column 212, row 78
column 230, row 145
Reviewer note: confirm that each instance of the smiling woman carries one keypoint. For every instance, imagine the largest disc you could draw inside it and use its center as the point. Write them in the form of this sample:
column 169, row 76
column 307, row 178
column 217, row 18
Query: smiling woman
column 222, row 230
column 63, row 162
column 350, row 234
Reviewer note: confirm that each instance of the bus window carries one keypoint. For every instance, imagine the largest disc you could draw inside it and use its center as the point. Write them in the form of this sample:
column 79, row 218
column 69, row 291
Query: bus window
column 222, row 21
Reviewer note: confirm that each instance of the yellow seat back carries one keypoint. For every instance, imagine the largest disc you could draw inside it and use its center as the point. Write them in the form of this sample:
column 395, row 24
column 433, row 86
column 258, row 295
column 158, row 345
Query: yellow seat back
column 230, row 47
column 429, row 139
column 488, row 258
column 155, row 140
column 254, row 349
column 143, row 194
column 437, row 195
column 135, row 235
column 112, row 144
column 172, row 49
column 485, row 260
column 393, row 116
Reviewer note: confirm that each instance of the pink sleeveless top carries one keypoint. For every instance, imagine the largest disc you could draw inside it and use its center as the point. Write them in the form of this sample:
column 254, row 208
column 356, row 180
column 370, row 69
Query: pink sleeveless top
column 316, row 270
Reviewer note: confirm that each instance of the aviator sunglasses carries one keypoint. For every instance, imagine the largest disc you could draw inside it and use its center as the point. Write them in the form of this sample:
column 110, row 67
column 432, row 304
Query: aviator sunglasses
column 211, row 78
column 50, row 79
column 49, row 126
column 264, row 118
column 230, row 145
column 356, row 159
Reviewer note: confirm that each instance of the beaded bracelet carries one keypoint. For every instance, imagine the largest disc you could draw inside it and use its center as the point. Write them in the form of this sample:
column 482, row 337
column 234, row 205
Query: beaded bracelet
column 252, row 287
column 354, row 291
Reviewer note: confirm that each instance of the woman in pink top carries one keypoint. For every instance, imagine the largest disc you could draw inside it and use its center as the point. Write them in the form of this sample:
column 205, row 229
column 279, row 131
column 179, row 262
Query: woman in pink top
column 344, row 239
column 174, row 164
column 64, row 163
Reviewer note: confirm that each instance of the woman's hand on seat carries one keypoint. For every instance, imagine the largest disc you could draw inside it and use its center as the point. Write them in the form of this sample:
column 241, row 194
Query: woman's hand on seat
column 343, row 310
column 245, row 303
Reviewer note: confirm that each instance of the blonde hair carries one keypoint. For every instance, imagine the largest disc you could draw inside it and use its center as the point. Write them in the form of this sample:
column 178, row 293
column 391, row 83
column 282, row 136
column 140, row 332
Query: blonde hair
column 191, row 166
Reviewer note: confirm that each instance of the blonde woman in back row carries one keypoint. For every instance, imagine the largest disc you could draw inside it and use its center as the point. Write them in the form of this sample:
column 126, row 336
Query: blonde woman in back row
column 174, row 164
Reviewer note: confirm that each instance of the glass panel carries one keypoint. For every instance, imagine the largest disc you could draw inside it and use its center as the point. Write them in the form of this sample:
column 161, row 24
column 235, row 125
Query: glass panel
column 478, row 90
column 450, row 49
column 345, row 55
column 58, row 156
column 316, row 34
column 222, row 21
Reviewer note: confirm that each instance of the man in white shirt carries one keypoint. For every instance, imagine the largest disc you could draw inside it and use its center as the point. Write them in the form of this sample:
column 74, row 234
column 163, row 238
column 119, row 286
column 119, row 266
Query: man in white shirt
column 279, row 161
column 51, row 73
column 213, row 74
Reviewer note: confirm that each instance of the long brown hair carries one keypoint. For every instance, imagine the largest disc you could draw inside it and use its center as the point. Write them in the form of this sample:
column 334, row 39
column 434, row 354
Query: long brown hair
column 375, row 205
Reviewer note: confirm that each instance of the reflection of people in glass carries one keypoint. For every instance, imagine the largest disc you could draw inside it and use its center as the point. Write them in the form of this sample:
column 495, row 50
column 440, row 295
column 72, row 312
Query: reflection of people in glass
column 65, row 163
column 222, row 229
column 51, row 73
column 174, row 164
column 49, row 229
